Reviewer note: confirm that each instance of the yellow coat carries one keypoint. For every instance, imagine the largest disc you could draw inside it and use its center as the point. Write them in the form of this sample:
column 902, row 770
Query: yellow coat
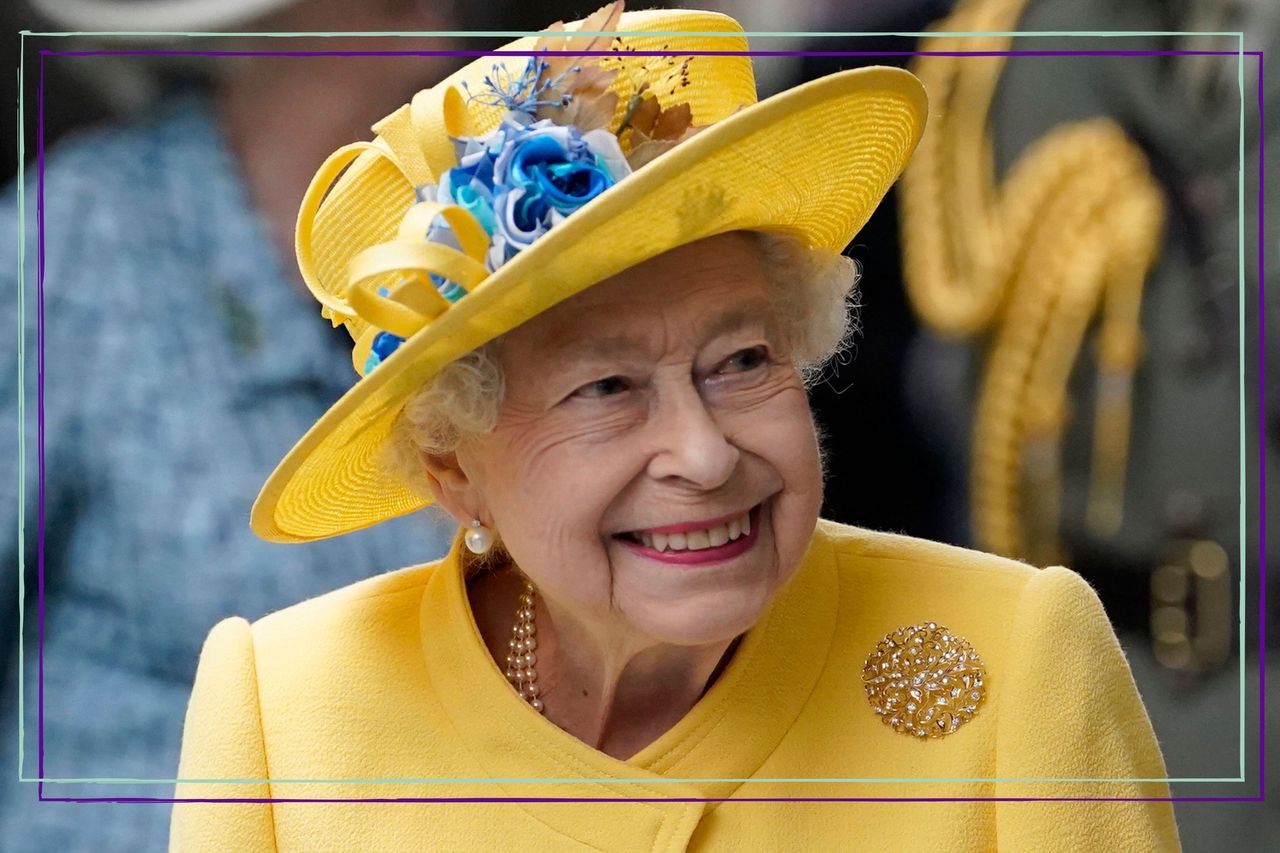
column 389, row 679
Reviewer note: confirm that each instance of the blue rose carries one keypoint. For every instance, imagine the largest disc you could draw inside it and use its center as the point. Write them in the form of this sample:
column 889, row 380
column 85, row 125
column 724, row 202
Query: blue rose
column 553, row 162
column 522, row 216
column 524, row 177
column 608, row 155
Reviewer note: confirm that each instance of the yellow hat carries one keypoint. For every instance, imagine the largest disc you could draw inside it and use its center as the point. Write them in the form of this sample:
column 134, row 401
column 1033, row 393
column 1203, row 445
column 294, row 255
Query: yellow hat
column 813, row 161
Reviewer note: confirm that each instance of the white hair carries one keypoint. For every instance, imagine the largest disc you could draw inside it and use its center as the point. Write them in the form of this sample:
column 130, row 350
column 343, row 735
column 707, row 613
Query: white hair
column 814, row 297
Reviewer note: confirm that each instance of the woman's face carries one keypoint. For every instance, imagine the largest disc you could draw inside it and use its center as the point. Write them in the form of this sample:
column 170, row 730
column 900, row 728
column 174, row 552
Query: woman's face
column 658, row 400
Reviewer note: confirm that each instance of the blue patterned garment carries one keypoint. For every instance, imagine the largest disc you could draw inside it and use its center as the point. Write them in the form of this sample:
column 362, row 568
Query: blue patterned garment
column 181, row 363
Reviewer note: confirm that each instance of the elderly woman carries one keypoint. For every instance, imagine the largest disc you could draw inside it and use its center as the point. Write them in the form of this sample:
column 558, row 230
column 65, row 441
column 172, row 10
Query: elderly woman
column 586, row 291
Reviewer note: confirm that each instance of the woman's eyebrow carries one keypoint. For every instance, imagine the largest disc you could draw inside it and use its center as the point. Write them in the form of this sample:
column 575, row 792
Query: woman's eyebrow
column 754, row 313
column 599, row 347
column 604, row 346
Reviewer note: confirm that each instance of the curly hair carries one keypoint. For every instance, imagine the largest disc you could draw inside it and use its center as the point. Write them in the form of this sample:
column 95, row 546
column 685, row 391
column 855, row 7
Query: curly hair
column 817, row 322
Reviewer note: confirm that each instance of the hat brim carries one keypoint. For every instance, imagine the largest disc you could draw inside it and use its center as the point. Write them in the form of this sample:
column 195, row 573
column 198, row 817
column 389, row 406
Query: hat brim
column 813, row 161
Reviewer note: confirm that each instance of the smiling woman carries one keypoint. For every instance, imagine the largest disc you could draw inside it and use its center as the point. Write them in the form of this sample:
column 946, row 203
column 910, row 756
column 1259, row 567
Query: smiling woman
column 662, row 403
column 586, row 300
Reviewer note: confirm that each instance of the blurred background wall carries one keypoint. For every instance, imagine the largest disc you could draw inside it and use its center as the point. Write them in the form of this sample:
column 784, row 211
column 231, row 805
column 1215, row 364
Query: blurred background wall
column 180, row 175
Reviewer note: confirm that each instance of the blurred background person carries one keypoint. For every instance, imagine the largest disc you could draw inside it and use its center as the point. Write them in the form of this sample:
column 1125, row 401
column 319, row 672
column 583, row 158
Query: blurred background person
column 167, row 390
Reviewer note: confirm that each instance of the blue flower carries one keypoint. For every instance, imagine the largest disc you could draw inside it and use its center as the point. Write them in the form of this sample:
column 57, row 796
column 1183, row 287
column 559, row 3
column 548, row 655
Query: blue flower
column 554, row 162
column 523, row 178
column 475, row 197
column 470, row 186
column 518, row 181
column 384, row 344
column 542, row 173
column 522, row 217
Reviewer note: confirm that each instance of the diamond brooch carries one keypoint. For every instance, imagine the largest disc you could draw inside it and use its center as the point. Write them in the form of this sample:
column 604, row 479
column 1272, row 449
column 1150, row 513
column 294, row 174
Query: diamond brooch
column 924, row 680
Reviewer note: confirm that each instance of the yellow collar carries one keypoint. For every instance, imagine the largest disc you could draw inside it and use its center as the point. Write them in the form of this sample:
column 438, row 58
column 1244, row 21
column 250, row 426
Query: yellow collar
column 727, row 735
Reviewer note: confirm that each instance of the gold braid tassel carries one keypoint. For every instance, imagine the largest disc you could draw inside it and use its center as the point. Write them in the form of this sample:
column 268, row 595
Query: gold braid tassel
column 1024, row 267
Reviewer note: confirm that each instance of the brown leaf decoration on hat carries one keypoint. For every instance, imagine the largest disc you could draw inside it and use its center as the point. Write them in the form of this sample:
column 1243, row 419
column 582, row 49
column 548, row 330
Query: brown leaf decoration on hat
column 603, row 20
column 645, row 110
column 651, row 130
column 647, row 130
column 590, row 103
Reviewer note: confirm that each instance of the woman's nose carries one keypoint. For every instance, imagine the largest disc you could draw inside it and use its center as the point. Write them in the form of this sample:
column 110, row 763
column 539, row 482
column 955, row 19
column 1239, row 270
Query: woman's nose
column 689, row 443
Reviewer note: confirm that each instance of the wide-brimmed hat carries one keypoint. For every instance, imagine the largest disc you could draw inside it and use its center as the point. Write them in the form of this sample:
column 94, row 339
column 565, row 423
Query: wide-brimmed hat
column 523, row 179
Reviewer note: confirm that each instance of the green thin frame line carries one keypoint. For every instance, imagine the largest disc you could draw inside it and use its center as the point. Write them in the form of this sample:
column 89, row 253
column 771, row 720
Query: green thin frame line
column 22, row 403
column 1105, row 34
column 523, row 34
column 1244, row 450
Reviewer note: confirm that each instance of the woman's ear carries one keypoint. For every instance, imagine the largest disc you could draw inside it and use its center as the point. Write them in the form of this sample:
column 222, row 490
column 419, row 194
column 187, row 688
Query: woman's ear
column 452, row 488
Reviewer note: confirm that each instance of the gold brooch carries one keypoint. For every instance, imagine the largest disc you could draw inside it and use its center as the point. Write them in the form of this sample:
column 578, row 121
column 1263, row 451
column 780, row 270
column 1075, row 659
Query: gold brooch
column 923, row 680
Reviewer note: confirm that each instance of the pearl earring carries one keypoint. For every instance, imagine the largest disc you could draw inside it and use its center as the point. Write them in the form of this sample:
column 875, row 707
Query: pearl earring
column 479, row 538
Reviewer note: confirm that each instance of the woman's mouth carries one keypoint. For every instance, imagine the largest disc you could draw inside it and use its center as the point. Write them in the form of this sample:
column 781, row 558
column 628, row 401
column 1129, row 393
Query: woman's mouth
column 688, row 544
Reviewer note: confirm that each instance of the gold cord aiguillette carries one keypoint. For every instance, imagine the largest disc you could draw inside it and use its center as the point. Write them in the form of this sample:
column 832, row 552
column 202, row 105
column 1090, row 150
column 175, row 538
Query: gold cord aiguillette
column 1022, row 267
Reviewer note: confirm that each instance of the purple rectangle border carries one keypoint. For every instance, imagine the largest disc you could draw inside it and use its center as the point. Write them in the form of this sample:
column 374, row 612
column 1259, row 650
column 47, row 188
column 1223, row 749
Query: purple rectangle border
column 1262, row 462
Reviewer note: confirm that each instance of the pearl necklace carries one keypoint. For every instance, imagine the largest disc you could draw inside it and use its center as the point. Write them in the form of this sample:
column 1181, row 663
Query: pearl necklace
column 521, row 659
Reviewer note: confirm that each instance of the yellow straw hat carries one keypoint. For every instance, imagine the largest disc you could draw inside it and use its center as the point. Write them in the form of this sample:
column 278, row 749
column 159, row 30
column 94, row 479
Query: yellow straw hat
column 396, row 245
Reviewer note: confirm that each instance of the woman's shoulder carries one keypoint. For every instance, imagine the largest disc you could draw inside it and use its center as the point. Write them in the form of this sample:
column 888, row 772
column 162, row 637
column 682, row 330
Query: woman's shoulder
column 294, row 678
column 892, row 580
column 355, row 623
column 871, row 551
column 371, row 593
column 1060, row 701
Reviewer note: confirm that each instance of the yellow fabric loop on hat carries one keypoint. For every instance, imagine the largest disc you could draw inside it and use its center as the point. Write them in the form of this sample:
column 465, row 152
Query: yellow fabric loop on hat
column 470, row 233
column 391, row 312
column 364, row 346
column 457, row 118
column 417, row 256
column 416, row 293
column 385, row 313
column 437, row 114
column 339, row 310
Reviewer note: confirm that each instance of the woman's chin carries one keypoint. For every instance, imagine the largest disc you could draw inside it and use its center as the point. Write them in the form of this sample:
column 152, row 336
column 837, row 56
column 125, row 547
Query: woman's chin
column 696, row 617
column 680, row 626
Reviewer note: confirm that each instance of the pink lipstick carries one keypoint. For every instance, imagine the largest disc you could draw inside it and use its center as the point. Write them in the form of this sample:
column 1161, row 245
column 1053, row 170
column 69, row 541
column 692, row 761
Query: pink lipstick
column 702, row 556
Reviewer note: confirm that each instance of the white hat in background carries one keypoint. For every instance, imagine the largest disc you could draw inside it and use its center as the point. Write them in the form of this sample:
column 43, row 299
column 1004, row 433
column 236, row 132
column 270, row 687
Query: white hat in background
column 154, row 15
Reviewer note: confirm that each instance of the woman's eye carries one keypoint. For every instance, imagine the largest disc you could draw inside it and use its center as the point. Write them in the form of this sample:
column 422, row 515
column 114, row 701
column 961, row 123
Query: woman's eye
column 606, row 387
column 746, row 360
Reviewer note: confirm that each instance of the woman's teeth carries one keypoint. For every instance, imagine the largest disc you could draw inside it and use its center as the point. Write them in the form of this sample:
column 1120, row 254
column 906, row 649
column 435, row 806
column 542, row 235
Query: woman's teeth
column 696, row 540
